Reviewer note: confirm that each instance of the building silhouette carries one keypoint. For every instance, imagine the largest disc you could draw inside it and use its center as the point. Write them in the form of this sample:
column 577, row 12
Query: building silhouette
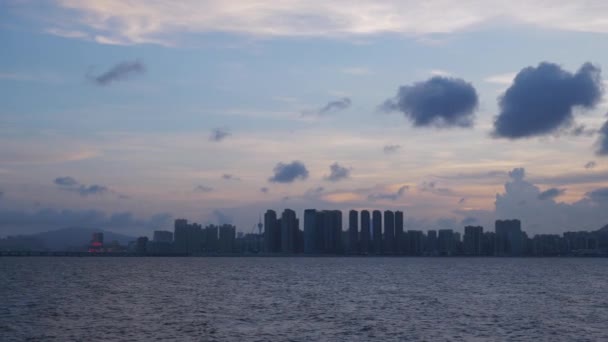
column 289, row 231
column 272, row 232
column 389, row 232
column 310, row 221
column 509, row 238
column 353, row 232
column 377, row 231
column 399, row 234
column 365, row 235
column 445, row 240
column 227, row 238
column 473, row 240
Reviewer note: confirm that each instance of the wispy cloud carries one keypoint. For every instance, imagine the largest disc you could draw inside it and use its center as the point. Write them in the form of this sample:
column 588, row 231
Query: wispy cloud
column 219, row 134
column 154, row 22
column 118, row 72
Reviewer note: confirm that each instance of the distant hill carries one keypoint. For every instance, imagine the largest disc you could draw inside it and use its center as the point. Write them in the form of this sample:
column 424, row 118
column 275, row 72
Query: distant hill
column 69, row 238
column 603, row 229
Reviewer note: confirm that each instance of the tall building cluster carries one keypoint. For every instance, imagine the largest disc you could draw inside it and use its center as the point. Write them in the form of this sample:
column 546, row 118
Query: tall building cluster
column 366, row 233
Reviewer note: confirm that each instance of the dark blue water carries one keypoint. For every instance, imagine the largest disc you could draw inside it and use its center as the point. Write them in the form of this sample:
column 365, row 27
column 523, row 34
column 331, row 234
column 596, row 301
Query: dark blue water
column 303, row 299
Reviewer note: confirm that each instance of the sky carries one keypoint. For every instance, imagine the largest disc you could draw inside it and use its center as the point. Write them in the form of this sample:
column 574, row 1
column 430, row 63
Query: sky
column 125, row 115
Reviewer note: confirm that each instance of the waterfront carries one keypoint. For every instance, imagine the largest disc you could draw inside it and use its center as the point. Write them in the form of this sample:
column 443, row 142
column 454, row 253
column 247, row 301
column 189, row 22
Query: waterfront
column 303, row 299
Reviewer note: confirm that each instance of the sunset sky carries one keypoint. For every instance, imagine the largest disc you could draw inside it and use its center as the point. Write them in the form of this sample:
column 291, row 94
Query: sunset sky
column 125, row 115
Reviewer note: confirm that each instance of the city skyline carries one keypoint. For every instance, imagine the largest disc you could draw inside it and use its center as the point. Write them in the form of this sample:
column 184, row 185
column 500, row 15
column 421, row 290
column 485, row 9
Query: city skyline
column 112, row 123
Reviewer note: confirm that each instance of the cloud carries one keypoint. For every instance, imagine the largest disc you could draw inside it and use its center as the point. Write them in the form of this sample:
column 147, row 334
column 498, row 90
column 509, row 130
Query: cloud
column 331, row 107
column 264, row 190
column 227, row 176
column 337, row 173
column 462, row 200
column 389, row 196
column 598, row 196
column 288, row 173
column 438, row 102
column 388, row 149
column 581, row 131
column 221, row 217
column 551, row 193
column 65, row 181
column 203, row 188
column 218, row 134
column 541, row 99
column 70, row 184
column 155, row 22
column 602, row 141
column 542, row 214
column 432, row 188
column 336, row 105
column 119, row 72
column 469, row 221
column 590, row 165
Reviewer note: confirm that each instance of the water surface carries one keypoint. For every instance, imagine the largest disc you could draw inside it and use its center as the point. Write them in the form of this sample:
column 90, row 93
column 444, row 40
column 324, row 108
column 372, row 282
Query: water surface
column 303, row 299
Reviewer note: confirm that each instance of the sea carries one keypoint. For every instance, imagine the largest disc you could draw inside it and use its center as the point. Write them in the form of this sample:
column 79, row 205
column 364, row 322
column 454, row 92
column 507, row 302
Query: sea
column 303, row 299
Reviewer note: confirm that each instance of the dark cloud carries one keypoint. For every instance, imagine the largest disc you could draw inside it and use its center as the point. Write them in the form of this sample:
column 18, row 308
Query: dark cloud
column 462, row 200
column 590, row 165
column 389, row 196
column 70, row 184
column 228, row 176
column 334, row 106
column 391, row 148
column 337, row 173
column 203, row 188
column 599, row 195
column 432, row 188
column 65, row 181
column 602, row 142
column 541, row 99
column 218, row 134
column 288, row 173
column 264, row 190
column 583, row 177
column 551, row 193
column 439, row 102
column 119, row 72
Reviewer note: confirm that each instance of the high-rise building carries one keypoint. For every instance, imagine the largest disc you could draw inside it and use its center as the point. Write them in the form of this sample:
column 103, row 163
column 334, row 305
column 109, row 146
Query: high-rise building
column 180, row 235
column 289, row 231
column 365, row 236
column 310, row 220
column 353, row 231
column 272, row 232
column 377, row 231
column 227, row 237
column 141, row 245
column 162, row 236
column 432, row 244
column 389, row 232
column 211, row 239
column 473, row 240
column 399, row 235
column 446, row 242
column 415, row 240
column 509, row 238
